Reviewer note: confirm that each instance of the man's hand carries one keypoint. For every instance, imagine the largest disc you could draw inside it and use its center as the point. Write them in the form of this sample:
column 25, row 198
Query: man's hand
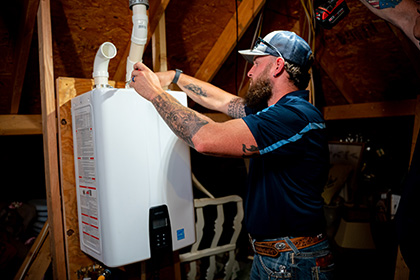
column 145, row 82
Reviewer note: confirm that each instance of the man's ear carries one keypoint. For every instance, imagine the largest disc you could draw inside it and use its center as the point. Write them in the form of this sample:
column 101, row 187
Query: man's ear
column 279, row 66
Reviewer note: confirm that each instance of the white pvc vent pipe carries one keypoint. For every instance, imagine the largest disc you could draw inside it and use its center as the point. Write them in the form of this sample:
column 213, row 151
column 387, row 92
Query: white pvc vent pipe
column 100, row 73
column 138, row 37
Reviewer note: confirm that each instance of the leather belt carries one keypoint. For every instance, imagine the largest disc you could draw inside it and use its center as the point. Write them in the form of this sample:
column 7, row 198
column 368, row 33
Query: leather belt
column 274, row 248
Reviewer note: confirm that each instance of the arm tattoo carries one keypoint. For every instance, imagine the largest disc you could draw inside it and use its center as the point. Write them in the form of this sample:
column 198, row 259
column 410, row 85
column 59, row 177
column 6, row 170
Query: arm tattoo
column 236, row 108
column 183, row 121
column 250, row 149
column 196, row 89
column 383, row 4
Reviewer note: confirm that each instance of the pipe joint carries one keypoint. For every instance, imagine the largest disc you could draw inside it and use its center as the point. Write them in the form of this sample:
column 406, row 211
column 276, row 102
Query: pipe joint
column 139, row 33
column 136, row 2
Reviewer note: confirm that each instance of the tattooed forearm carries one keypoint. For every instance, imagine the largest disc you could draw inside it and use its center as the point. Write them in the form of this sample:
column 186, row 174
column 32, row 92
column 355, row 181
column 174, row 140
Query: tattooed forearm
column 246, row 150
column 183, row 121
column 236, row 108
column 196, row 89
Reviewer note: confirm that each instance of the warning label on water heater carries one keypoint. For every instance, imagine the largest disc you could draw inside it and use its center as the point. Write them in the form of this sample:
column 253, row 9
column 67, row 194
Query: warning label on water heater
column 86, row 181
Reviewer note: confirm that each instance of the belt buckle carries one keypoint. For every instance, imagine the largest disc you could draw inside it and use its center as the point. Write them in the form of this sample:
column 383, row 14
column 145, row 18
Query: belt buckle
column 280, row 245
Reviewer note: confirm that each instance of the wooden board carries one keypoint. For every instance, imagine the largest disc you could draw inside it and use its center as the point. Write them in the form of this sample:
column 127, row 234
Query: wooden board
column 371, row 110
column 20, row 124
column 38, row 258
column 41, row 262
column 49, row 131
column 66, row 89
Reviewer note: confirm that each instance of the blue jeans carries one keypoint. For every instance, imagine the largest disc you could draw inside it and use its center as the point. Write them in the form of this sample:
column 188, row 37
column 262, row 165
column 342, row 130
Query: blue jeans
column 314, row 262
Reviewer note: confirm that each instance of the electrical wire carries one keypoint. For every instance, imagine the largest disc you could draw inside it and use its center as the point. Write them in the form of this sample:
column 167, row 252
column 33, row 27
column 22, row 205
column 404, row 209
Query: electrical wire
column 257, row 33
column 309, row 12
column 236, row 47
column 310, row 17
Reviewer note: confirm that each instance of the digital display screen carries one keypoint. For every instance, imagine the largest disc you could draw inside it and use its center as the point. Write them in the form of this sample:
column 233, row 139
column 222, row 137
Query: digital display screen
column 159, row 223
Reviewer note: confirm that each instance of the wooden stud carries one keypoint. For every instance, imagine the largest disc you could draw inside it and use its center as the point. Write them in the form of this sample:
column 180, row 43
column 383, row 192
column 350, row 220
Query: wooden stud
column 49, row 131
column 160, row 61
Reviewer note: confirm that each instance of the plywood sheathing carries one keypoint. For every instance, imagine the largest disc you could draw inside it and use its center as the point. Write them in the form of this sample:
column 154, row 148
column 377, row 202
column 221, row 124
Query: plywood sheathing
column 80, row 27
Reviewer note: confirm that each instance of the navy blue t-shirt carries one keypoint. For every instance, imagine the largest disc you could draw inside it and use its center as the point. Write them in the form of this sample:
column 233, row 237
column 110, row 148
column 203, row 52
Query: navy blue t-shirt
column 286, row 181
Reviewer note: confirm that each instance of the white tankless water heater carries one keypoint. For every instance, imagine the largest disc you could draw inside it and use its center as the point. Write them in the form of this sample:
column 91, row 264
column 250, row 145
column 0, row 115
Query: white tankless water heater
column 133, row 178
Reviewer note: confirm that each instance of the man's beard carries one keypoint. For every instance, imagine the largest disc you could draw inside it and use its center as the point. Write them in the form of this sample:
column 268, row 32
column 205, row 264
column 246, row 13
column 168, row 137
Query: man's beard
column 259, row 93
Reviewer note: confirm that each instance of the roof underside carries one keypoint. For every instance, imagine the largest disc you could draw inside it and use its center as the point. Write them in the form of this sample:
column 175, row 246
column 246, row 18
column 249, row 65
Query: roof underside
column 362, row 59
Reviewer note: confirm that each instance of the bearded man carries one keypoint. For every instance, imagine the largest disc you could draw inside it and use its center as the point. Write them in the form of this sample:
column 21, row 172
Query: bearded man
column 285, row 137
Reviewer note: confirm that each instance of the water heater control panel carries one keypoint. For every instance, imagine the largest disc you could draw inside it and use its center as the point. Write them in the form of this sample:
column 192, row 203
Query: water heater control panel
column 160, row 230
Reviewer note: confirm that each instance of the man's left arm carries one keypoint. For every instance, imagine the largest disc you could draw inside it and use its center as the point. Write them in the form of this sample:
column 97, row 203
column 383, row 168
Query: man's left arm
column 231, row 138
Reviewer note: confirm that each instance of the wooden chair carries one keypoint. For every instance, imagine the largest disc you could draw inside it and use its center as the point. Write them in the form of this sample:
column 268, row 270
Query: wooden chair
column 196, row 253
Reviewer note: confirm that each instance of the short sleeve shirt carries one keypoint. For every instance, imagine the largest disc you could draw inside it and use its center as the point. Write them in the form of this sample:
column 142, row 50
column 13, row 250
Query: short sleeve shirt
column 286, row 181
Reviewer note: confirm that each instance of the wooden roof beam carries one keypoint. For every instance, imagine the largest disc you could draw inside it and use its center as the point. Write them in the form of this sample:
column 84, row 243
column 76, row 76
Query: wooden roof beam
column 20, row 124
column 21, row 54
column 247, row 11
column 371, row 110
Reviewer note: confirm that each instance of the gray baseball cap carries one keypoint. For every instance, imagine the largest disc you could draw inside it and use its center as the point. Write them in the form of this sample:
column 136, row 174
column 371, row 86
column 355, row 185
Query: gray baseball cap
column 280, row 43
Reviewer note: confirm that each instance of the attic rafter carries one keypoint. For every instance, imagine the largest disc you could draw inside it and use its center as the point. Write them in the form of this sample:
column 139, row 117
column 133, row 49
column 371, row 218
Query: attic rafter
column 21, row 54
column 332, row 69
column 156, row 11
column 247, row 11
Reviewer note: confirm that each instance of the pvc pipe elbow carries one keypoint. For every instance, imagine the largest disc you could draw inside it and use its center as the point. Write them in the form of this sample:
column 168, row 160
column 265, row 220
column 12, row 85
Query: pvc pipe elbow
column 105, row 52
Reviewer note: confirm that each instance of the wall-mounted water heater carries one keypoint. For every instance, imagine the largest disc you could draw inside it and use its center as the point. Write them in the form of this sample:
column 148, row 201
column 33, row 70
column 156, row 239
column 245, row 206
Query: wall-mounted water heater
column 133, row 175
column 133, row 178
